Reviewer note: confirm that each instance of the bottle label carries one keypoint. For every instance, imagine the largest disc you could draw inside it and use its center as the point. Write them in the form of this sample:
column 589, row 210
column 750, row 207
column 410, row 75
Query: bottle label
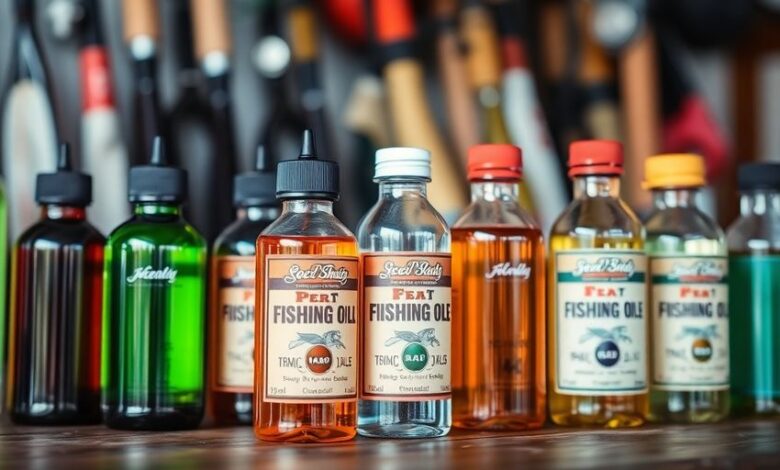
column 600, row 337
column 310, row 343
column 690, row 323
column 235, row 324
column 406, row 326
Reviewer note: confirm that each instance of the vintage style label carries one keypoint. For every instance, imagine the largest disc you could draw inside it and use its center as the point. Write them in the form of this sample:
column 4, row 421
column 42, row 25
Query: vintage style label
column 310, row 341
column 600, row 337
column 406, row 326
column 690, row 323
column 235, row 324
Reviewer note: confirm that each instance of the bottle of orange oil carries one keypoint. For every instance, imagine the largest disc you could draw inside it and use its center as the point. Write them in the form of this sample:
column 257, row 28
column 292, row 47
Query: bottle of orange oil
column 498, row 280
column 306, row 339
column 597, row 334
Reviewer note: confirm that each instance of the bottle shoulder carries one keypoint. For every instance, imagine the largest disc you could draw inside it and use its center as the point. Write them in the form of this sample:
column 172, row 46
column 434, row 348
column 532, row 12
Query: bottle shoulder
column 407, row 223
column 177, row 232
column 598, row 217
column 681, row 222
column 52, row 233
column 495, row 213
column 307, row 224
column 754, row 231
column 239, row 237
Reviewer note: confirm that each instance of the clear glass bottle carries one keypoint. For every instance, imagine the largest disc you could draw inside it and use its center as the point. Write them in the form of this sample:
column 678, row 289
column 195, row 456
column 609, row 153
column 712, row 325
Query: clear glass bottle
column 498, row 300
column 597, row 333
column 306, row 340
column 405, row 254
column 54, row 349
column 153, row 370
column 754, row 277
column 688, row 313
column 232, row 322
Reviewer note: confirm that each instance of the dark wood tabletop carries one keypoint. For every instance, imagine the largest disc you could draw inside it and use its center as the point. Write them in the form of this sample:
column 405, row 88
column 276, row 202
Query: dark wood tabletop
column 734, row 444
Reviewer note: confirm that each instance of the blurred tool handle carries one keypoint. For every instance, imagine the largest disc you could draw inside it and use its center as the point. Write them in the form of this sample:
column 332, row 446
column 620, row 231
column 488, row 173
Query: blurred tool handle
column 211, row 27
column 302, row 24
column 140, row 19
column 639, row 90
column 483, row 47
column 412, row 119
column 461, row 113
column 365, row 113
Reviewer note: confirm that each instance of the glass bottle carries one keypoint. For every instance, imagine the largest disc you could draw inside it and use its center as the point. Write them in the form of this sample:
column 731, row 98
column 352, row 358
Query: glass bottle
column 54, row 349
column 498, row 300
column 405, row 254
column 232, row 323
column 597, row 325
column 306, row 339
column 154, row 307
column 688, row 296
column 754, row 277
column 3, row 306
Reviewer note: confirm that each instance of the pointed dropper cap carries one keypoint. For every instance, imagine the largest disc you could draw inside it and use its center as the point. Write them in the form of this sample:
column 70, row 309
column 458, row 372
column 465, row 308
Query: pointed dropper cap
column 157, row 182
column 65, row 186
column 256, row 188
column 307, row 177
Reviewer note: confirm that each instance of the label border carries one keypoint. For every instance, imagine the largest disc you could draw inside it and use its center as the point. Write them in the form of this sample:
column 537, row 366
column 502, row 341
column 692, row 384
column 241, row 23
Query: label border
column 630, row 391
column 305, row 400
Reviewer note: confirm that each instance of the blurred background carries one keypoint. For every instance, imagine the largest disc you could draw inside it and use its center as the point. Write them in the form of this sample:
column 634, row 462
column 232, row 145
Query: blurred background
column 218, row 78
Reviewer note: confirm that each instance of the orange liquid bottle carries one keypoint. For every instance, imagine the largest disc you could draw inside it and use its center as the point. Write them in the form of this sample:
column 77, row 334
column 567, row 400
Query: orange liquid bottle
column 306, row 340
column 498, row 297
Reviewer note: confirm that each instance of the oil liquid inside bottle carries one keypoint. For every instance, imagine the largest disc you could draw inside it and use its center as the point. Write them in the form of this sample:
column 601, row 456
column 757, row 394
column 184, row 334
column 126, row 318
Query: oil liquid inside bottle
column 498, row 328
column 298, row 422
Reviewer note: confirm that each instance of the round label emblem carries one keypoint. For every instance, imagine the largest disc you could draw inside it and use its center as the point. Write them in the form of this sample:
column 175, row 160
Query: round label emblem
column 415, row 357
column 319, row 359
column 607, row 353
column 702, row 350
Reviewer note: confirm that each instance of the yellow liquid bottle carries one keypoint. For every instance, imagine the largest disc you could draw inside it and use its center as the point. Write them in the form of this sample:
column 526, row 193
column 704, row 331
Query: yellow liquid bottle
column 597, row 334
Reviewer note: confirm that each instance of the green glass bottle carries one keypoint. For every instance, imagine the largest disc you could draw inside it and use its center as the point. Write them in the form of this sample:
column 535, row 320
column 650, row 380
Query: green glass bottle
column 689, row 323
column 754, row 292
column 153, row 370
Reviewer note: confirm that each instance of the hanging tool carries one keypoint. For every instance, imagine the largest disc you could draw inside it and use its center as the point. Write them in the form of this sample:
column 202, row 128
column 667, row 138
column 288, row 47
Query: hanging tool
column 141, row 30
column 461, row 113
column 103, row 151
column 213, row 47
column 192, row 136
column 29, row 132
column 525, row 118
column 412, row 119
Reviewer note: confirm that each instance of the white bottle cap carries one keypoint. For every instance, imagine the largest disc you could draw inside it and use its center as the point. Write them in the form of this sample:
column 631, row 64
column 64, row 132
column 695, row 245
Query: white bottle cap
column 403, row 162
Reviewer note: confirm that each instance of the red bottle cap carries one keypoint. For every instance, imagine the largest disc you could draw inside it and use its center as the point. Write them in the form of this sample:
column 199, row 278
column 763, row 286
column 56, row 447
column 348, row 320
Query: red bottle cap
column 495, row 162
column 595, row 157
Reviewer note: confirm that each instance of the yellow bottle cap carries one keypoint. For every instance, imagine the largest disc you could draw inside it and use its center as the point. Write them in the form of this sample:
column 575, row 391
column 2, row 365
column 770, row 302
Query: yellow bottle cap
column 675, row 170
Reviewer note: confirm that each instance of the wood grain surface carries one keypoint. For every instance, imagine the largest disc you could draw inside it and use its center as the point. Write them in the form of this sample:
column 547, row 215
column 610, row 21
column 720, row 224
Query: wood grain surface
column 735, row 444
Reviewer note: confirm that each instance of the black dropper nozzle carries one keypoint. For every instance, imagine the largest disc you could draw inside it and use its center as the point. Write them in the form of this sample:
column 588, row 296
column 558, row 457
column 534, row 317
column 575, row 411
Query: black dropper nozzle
column 157, row 182
column 256, row 188
column 307, row 177
column 64, row 186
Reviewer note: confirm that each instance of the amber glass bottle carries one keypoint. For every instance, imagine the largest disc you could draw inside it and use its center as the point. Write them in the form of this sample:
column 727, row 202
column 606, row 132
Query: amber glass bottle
column 498, row 300
column 597, row 334
column 306, row 340
column 232, row 316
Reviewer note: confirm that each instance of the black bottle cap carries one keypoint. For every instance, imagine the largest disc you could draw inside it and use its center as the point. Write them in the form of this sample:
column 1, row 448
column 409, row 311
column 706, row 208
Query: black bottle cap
column 759, row 176
column 307, row 177
column 65, row 186
column 157, row 182
column 256, row 188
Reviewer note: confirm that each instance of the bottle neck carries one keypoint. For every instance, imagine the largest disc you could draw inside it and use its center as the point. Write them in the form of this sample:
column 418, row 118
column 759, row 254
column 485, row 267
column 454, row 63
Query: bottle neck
column 675, row 198
column 492, row 191
column 60, row 212
column 257, row 213
column 157, row 208
column 596, row 186
column 759, row 202
column 396, row 188
column 301, row 206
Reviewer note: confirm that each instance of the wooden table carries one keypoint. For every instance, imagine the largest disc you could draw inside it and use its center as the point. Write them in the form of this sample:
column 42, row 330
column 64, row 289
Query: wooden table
column 751, row 444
